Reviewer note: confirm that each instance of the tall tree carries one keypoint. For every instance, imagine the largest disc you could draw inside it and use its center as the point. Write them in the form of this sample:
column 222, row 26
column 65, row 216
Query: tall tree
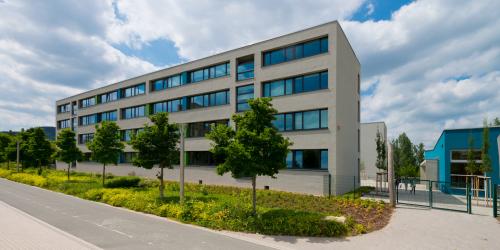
column 157, row 145
column 5, row 140
column 381, row 162
column 254, row 149
column 67, row 151
column 419, row 153
column 39, row 148
column 495, row 122
column 106, row 145
column 485, row 157
column 471, row 167
column 404, row 156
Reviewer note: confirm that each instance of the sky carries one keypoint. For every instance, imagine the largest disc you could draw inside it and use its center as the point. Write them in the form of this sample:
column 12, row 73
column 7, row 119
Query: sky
column 427, row 65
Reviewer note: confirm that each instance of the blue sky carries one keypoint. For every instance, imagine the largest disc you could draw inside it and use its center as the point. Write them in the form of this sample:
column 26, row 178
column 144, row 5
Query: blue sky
column 426, row 65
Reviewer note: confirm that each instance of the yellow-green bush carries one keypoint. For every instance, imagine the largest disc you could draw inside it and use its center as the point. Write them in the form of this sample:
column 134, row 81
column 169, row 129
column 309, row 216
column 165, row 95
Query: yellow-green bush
column 29, row 179
column 4, row 173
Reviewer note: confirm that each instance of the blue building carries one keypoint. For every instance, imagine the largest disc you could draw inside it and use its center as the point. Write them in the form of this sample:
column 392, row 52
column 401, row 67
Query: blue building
column 447, row 160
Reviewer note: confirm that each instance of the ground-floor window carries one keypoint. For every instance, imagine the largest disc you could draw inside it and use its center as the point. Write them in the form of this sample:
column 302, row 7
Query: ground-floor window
column 127, row 157
column 201, row 158
column 307, row 159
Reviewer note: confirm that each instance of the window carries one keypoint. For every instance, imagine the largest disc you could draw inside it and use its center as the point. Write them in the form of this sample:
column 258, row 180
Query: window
column 297, row 51
column 168, row 106
column 199, row 129
column 299, row 84
column 135, row 90
column 127, row 157
column 207, row 100
column 64, row 108
column 201, row 158
column 133, row 112
column 243, row 94
column 74, row 109
column 87, row 102
column 303, row 120
column 88, row 120
column 126, row 135
column 209, row 72
column 245, row 70
column 84, row 138
column 63, row 124
column 109, row 116
column 307, row 159
column 109, row 97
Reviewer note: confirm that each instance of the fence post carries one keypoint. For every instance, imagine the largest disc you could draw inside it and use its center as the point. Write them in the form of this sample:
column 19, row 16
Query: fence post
column 390, row 173
column 354, row 184
column 469, row 200
column 329, row 185
column 495, row 200
column 430, row 193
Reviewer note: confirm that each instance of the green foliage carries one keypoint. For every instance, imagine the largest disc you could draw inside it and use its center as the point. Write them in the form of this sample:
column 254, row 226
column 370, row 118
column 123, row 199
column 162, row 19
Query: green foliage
column 495, row 122
column 419, row 153
column 255, row 148
column 381, row 162
column 5, row 140
column 219, row 207
column 106, row 145
column 123, row 182
column 406, row 156
column 485, row 166
column 157, row 145
column 67, row 151
column 471, row 167
column 39, row 149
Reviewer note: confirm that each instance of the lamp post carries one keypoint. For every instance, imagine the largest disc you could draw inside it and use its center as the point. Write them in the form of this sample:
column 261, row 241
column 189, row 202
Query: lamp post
column 17, row 155
column 182, row 163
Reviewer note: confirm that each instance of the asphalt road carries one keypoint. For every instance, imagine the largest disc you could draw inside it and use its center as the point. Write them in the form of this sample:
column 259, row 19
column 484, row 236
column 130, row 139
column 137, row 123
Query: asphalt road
column 112, row 228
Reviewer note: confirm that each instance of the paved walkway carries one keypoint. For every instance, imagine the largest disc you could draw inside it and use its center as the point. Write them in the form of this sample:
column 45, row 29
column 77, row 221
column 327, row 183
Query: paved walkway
column 19, row 230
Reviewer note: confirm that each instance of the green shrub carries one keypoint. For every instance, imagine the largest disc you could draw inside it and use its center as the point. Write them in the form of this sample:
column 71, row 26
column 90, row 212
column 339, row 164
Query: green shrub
column 94, row 194
column 123, row 182
column 4, row 173
column 29, row 179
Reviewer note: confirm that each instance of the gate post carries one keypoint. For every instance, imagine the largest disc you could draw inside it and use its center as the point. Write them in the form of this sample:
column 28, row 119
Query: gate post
column 430, row 193
column 495, row 200
column 469, row 200
column 390, row 173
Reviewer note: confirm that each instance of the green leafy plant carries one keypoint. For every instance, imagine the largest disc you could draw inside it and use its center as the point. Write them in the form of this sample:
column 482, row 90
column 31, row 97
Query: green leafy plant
column 67, row 151
column 123, row 182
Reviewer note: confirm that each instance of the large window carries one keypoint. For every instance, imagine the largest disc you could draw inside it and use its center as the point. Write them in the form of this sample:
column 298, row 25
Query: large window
column 303, row 120
column 168, row 106
column 307, row 159
column 243, row 94
column 109, row 116
column 87, row 102
column 63, row 124
column 84, row 138
column 126, row 135
column 64, row 108
column 127, row 157
column 88, row 120
column 201, row 158
column 133, row 112
column 135, row 90
column 109, row 97
column 169, row 82
column 207, row 100
column 297, row 51
column 199, row 129
column 245, row 70
column 299, row 84
column 209, row 72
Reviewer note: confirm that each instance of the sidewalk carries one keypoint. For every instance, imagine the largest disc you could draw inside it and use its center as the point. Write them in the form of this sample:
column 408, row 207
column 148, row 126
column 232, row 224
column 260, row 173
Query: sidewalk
column 19, row 230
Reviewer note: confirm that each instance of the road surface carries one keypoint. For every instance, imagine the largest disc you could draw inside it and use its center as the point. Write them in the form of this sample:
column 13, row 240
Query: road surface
column 109, row 227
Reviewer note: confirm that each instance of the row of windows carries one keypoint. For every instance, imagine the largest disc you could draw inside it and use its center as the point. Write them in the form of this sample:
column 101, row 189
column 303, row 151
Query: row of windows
column 91, row 101
column 200, row 129
column 109, row 116
column 134, row 112
column 95, row 118
column 299, row 84
column 109, row 97
column 64, row 108
column 169, row 82
column 88, row 120
column 297, row 51
column 303, row 120
column 209, row 72
column 168, row 106
column 63, row 124
column 134, row 90
column 307, row 159
column 84, row 138
column 126, row 135
column 245, row 71
column 243, row 94
column 208, row 100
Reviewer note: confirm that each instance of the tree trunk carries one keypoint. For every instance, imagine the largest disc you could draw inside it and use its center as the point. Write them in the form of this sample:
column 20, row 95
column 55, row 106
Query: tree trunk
column 254, row 195
column 103, row 174
column 162, row 187
column 68, row 170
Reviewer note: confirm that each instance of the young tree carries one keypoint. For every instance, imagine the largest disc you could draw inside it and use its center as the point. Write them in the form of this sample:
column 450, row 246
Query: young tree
column 5, row 140
column 106, row 145
column 39, row 148
column 471, row 167
column 67, row 151
column 381, row 162
column 157, row 145
column 485, row 157
column 254, row 149
column 404, row 155
column 495, row 122
column 419, row 153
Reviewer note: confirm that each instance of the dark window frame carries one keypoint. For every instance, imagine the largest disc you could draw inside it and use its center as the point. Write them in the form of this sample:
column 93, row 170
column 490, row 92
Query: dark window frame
column 290, row 52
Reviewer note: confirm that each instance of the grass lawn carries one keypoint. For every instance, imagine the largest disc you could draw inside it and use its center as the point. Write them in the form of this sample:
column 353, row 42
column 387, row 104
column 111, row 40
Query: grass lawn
column 221, row 207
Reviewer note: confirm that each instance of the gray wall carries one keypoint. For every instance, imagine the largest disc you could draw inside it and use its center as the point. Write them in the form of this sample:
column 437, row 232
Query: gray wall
column 369, row 148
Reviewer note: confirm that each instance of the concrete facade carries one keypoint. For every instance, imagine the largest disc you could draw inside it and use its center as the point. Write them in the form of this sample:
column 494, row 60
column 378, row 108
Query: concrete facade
column 341, row 98
column 369, row 148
